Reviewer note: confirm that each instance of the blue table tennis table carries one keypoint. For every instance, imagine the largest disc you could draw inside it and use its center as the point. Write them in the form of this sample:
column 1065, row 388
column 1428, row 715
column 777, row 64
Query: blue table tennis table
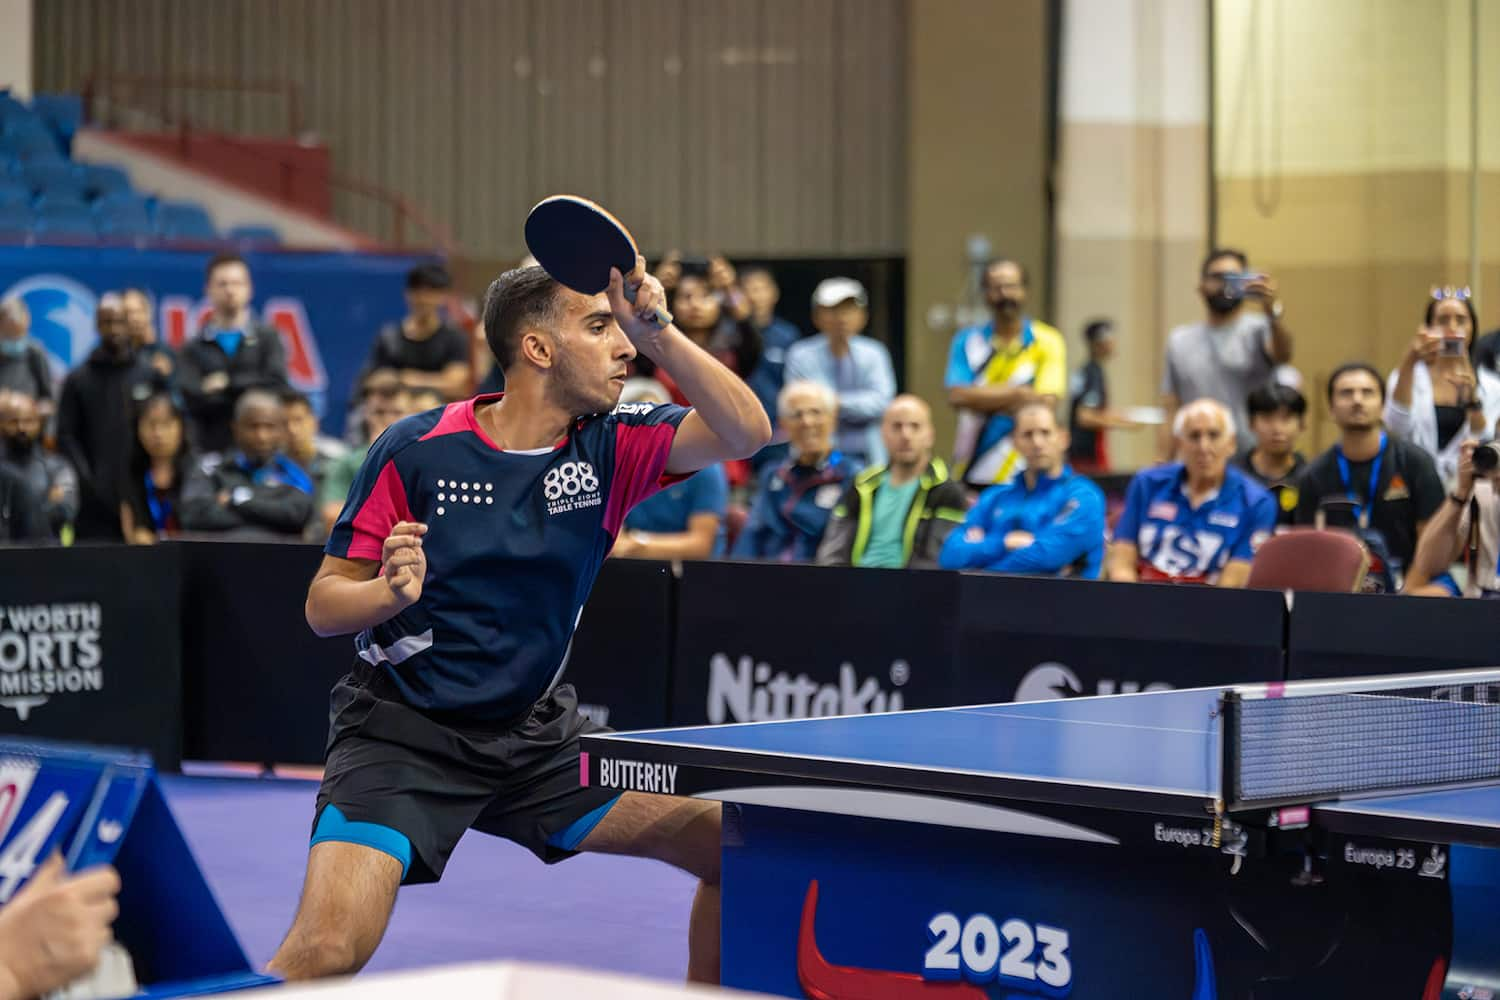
column 1313, row 839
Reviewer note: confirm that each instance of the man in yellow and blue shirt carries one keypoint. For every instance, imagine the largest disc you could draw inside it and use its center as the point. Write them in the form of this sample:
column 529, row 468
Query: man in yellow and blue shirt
column 996, row 368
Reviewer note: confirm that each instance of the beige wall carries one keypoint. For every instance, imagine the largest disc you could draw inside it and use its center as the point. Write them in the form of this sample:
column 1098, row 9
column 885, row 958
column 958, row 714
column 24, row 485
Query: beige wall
column 977, row 117
column 15, row 47
column 1348, row 179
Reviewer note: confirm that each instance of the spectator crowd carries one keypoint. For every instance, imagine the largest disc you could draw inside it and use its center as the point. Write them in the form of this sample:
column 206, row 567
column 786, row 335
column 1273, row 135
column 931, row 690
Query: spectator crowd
column 141, row 442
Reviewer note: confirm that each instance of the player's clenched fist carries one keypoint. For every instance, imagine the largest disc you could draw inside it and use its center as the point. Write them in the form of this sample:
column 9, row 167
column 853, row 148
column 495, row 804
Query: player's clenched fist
column 403, row 561
column 52, row 931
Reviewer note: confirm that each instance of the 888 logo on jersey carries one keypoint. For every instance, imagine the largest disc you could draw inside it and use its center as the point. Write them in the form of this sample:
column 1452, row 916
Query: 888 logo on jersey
column 570, row 486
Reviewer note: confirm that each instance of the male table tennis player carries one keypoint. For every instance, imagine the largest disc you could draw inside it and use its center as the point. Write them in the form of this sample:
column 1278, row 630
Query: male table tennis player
column 462, row 559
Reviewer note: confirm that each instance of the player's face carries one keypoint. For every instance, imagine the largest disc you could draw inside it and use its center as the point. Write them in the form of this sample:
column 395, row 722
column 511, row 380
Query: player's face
column 259, row 431
column 1276, row 433
column 1205, row 445
column 589, row 370
column 907, row 433
column 1356, row 401
column 809, row 422
column 1039, row 440
column 229, row 288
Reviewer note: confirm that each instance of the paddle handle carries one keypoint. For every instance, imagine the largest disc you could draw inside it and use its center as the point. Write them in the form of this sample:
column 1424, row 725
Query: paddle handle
column 663, row 318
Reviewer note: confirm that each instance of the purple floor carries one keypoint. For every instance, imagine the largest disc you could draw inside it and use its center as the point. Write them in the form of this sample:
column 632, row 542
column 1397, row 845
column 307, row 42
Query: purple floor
column 495, row 900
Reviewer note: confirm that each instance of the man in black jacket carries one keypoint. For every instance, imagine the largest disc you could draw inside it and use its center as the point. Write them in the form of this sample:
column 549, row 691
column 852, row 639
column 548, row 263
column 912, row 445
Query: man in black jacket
column 230, row 354
column 254, row 490
column 94, row 429
column 897, row 514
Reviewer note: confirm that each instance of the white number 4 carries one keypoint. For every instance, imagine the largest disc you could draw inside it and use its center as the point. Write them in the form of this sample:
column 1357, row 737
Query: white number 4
column 975, row 946
column 23, row 854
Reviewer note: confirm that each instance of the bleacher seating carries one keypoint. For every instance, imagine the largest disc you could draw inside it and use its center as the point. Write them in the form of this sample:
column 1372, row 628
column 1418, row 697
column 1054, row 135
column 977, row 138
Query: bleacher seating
column 255, row 236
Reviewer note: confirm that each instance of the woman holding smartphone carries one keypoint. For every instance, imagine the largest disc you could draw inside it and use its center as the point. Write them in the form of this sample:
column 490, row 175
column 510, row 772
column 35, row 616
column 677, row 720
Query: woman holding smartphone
column 1436, row 399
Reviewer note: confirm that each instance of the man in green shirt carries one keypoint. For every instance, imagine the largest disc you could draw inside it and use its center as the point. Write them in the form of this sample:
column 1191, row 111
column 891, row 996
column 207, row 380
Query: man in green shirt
column 897, row 514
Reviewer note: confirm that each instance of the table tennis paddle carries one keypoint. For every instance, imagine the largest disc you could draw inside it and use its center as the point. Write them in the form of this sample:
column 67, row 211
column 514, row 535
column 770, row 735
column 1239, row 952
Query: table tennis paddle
column 577, row 242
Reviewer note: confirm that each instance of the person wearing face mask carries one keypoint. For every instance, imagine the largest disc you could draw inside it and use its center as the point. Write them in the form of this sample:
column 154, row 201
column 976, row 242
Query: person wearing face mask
column 93, row 423
column 1195, row 521
column 994, row 370
column 23, row 362
column 1437, row 398
column 49, row 476
column 1232, row 351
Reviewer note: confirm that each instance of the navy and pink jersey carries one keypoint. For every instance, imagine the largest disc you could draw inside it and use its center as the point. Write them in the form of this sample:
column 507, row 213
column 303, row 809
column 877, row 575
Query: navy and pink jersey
column 514, row 542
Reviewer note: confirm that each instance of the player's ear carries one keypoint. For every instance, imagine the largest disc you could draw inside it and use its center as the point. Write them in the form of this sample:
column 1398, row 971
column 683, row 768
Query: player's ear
column 537, row 347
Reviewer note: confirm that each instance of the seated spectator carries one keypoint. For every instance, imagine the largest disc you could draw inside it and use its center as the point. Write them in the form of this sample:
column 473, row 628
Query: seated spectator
column 23, row 362
column 254, row 490
column 305, row 445
column 1194, row 521
column 707, row 307
column 50, row 477
column 1435, row 398
column 158, row 357
column 856, row 367
column 22, row 520
column 422, row 399
column 683, row 521
column 777, row 335
column 231, row 353
column 1374, row 483
column 897, row 514
column 1278, row 416
column 93, row 423
column 1465, row 529
column 795, row 499
column 159, row 466
column 423, row 349
column 383, row 405
column 1048, row 521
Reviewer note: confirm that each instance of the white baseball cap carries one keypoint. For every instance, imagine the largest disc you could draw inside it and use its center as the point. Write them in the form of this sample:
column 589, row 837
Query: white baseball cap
column 831, row 291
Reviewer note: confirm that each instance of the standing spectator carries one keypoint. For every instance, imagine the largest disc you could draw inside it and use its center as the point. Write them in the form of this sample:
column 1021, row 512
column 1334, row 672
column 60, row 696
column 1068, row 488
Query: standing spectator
column 49, row 476
column 1047, row 521
column 93, row 423
column 423, row 349
column 1089, row 415
column 1278, row 416
column 1232, row 352
column 898, row 514
column 1435, row 398
column 233, row 352
column 255, row 490
column 1390, row 486
column 1487, row 351
column 148, row 347
column 159, row 466
column 22, row 520
column 706, row 307
column 1465, row 529
column 776, row 336
column 383, row 405
column 23, row 362
column 1194, row 521
column 856, row 367
column 795, row 499
column 995, row 368
column 683, row 521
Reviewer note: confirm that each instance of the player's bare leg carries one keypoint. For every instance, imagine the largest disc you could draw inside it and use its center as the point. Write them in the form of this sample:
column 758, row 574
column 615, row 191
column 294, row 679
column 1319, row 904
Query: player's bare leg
column 683, row 833
column 346, row 903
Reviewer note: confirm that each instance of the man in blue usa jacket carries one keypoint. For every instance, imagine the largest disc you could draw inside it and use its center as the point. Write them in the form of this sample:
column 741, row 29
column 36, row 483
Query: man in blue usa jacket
column 1047, row 522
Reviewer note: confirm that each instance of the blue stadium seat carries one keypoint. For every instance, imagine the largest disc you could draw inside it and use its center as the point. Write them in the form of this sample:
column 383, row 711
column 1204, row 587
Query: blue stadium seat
column 28, row 140
column 54, row 198
column 14, row 193
column 15, row 221
column 64, row 112
column 72, row 222
column 184, row 220
column 123, row 218
column 264, row 236
column 48, row 177
column 101, row 179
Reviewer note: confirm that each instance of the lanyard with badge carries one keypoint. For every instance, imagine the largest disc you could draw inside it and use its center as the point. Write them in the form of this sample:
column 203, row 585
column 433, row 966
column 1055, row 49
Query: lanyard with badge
column 1362, row 510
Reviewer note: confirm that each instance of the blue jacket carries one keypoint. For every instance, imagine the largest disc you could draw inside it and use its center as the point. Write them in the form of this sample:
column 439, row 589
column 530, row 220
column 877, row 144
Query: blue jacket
column 1064, row 515
column 791, row 509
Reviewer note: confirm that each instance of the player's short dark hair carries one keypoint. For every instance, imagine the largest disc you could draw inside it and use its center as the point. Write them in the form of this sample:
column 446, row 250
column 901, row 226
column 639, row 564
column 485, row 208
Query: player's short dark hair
column 291, row 397
column 218, row 260
column 1356, row 366
column 520, row 297
column 994, row 262
column 1218, row 252
column 1273, row 397
column 428, row 277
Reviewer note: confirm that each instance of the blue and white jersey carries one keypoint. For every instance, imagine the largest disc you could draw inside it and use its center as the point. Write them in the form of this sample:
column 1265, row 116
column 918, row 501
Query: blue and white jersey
column 1183, row 544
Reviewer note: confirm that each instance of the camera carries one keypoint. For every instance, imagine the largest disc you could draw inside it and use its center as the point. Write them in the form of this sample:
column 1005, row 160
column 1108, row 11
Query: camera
column 1487, row 458
column 1234, row 284
column 1452, row 347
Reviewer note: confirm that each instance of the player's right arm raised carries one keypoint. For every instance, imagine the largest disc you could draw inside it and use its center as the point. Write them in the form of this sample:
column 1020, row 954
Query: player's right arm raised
column 351, row 595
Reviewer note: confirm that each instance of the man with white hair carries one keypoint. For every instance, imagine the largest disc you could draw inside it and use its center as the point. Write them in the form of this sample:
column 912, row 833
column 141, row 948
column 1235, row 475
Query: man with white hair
column 1197, row 520
column 796, row 497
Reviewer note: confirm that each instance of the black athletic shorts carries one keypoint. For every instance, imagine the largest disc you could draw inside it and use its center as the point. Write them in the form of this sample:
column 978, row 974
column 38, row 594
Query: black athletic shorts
column 392, row 766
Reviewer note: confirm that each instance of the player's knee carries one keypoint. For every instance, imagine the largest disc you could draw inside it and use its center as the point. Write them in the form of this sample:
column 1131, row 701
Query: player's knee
column 330, row 950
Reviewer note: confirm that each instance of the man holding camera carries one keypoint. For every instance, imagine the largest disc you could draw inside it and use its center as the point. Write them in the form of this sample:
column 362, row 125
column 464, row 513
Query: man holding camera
column 1466, row 528
column 1232, row 352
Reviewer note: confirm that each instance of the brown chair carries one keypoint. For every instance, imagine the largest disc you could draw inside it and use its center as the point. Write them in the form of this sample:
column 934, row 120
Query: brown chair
column 1311, row 559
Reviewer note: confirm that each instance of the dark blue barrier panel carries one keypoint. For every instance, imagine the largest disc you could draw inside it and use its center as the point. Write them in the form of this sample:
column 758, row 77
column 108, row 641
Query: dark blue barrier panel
column 621, row 659
column 759, row 641
column 100, row 807
column 327, row 306
column 1025, row 638
column 89, row 647
column 1352, row 635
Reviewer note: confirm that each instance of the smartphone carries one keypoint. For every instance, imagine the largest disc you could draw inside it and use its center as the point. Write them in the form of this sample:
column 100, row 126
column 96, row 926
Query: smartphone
column 1235, row 283
column 1452, row 347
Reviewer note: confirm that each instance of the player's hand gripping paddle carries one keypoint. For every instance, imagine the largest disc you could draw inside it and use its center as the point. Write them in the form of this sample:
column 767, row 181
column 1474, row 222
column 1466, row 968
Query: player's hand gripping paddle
column 577, row 242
